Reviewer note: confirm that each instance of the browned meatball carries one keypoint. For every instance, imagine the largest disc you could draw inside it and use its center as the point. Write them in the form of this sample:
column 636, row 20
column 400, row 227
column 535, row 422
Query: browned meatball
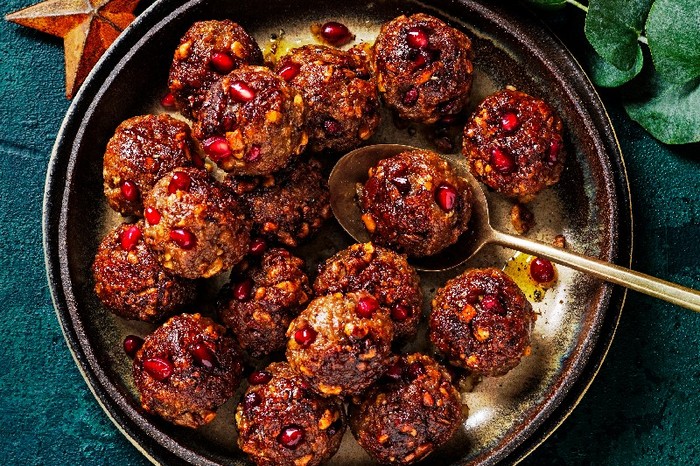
column 415, row 203
column 259, row 304
column 482, row 321
column 339, row 91
column 130, row 281
column 194, row 225
column 381, row 272
column 288, row 206
column 186, row 369
column 341, row 343
column 414, row 411
column 142, row 150
column 252, row 122
column 282, row 422
column 423, row 67
column 514, row 144
column 207, row 51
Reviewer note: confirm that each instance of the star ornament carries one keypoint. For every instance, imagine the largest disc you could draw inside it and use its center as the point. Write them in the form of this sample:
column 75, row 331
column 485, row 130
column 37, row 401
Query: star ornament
column 88, row 28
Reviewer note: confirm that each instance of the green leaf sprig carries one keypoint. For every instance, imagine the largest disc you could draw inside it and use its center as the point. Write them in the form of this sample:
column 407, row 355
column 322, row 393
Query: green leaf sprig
column 666, row 97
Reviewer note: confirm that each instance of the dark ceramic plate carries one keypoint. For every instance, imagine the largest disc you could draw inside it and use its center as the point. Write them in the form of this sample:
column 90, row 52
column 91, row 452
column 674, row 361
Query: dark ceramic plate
column 509, row 416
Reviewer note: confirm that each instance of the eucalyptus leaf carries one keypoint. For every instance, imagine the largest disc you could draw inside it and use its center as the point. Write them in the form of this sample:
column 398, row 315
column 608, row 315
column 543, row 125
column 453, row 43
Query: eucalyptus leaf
column 548, row 4
column 669, row 111
column 613, row 28
column 673, row 32
column 604, row 74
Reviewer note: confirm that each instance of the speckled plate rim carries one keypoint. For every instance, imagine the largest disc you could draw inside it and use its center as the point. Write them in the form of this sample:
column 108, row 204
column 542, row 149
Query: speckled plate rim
column 158, row 447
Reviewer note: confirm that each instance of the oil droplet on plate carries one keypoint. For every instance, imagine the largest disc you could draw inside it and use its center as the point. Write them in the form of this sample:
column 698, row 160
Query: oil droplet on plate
column 518, row 268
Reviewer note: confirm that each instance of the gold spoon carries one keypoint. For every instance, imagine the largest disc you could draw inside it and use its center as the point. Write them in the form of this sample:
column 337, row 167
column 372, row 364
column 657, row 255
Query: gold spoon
column 353, row 167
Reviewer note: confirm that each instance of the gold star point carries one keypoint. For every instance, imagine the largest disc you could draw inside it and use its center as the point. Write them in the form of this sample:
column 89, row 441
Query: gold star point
column 88, row 28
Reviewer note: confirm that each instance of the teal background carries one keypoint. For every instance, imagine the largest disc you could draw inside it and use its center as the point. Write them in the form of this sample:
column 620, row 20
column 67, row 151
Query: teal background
column 643, row 408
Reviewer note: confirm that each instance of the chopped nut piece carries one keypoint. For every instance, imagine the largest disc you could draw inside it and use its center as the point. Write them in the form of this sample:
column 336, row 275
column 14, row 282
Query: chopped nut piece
column 521, row 218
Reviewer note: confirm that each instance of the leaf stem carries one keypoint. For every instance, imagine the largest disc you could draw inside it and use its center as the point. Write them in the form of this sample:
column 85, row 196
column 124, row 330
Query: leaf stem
column 584, row 8
column 578, row 5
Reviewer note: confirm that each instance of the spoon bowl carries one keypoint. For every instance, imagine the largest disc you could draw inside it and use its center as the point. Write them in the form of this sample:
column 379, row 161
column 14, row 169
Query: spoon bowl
column 353, row 168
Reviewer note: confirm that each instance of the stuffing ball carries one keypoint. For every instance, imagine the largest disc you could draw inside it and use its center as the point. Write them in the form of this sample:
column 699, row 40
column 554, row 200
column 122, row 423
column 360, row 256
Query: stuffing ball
column 252, row 122
column 287, row 207
column 259, row 304
column 131, row 282
column 282, row 422
column 481, row 321
column 186, row 369
column 414, row 411
column 194, row 225
column 514, row 144
column 381, row 272
column 339, row 91
column 415, row 203
column 341, row 343
column 423, row 68
column 207, row 51
column 142, row 150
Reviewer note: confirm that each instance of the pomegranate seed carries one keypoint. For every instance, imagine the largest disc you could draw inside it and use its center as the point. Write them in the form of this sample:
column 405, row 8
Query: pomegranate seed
column 243, row 290
column 541, row 270
column 411, row 96
column 291, row 437
column 402, row 184
column 253, row 154
column 152, row 216
column 509, row 121
column 168, row 100
column 203, row 355
column 251, row 400
column 332, row 127
column 241, row 92
column 415, row 370
column 491, row 303
column 305, row 336
column 130, row 191
column 336, row 33
column 217, row 148
column 222, row 62
column 183, row 238
column 401, row 312
column 502, row 161
column 395, row 372
column 132, row 344
column 130, row 237
column 259, row 377
column 473, row 296
column 554, row 149
column 419, row 61
column 180, row 181
column 366, row 306
column 446, row 196
column 290, row 71
column 158, row 368
column 258, row 246
column 417, row 37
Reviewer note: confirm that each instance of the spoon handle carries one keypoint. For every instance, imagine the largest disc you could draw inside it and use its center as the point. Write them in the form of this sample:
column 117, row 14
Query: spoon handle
column 661, row 289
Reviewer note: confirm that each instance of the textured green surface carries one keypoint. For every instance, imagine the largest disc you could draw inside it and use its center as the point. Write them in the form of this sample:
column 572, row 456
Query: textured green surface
column 642, row 408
